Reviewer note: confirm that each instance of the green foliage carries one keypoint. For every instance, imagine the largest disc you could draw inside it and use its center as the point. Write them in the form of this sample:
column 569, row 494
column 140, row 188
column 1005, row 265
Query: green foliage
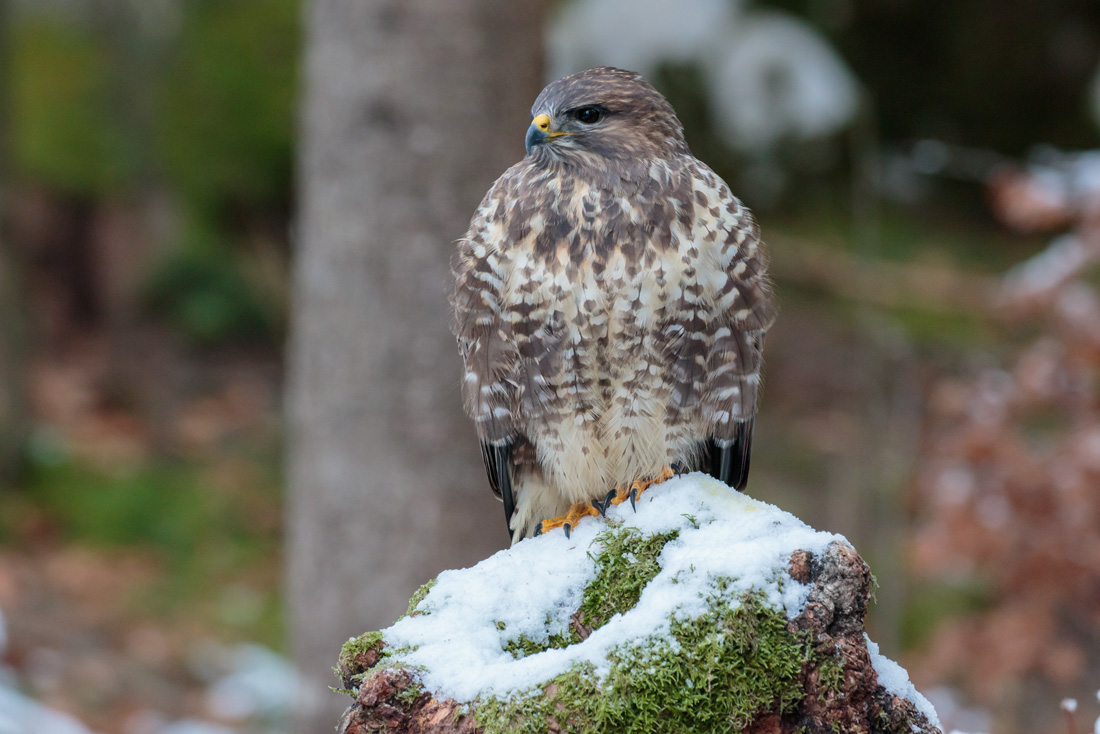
column 225, row 114
column 164, row 506
column 64, row 132
column 209, row 118
column 626, row 563
column 222, row 105
column 201, row 291
column 936, row 603
column 204, row 534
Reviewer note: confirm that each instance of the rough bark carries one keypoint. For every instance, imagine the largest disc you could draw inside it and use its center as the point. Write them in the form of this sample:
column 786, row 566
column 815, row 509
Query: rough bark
column 410, row 109
column 392, row 702
column 845, row 697
column 834, row 621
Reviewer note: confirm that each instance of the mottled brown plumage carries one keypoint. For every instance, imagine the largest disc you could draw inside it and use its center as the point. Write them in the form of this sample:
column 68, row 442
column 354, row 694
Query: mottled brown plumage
column 610, row 304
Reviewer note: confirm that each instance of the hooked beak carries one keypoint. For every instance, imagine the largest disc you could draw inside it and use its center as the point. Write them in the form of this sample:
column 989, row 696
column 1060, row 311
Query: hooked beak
column 539, row 132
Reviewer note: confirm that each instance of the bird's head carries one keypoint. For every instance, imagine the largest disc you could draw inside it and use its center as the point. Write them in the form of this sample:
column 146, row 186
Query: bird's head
column 601, row 116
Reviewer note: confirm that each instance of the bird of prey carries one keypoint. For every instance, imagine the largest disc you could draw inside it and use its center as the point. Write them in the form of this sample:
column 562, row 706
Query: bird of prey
column 610, row 303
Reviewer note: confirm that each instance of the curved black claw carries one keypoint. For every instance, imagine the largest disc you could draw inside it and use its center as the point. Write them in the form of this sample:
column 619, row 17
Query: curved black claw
column 601, row 507
column 679, row 468
column 607, row 500
column 567, row 528
column 538, row 530
column 633, row 496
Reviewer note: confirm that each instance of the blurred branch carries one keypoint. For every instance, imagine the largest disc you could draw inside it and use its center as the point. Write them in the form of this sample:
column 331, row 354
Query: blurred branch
column 877, row 282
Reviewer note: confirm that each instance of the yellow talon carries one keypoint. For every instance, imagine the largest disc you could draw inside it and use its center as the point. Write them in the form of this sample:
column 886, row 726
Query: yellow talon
column 569, row 520
column 622, row 494
column 594, row 507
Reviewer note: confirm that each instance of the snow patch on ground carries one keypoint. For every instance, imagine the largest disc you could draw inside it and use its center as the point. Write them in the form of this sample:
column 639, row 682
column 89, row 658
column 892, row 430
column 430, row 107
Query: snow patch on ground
column 22, row 715
column 251, row 689
column 260, row 684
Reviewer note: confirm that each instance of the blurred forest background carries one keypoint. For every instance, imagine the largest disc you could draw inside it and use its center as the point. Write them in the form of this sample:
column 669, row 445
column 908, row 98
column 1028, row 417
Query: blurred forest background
column 207, row 203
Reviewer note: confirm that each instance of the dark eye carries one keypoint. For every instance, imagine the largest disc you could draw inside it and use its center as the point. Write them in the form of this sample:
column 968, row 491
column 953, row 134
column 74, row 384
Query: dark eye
column 587, row 115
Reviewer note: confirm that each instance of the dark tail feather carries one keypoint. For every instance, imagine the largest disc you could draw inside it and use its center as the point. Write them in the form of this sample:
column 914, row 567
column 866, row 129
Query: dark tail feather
column 498, row 463
column 729, row 461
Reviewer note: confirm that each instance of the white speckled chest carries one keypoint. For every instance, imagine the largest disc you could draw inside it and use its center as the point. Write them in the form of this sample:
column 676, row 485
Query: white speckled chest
column 612, row 330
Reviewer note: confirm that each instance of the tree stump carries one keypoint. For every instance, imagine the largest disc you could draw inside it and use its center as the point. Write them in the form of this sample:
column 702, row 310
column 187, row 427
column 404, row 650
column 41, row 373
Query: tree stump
column 707, row 611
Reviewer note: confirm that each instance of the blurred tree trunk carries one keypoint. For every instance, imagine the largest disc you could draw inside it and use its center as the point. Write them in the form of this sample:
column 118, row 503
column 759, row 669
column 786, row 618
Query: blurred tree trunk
column 410, row 109
column 14, row 416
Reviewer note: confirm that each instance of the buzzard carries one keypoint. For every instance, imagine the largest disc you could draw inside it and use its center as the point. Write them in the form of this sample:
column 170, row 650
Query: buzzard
column 610, row 303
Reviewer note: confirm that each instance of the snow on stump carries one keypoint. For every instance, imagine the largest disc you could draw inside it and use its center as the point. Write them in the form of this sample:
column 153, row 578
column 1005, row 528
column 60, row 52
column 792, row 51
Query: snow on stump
column 704, row 611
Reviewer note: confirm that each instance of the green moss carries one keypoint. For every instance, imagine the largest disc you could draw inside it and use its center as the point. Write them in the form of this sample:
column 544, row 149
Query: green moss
column 830, row 674
column 715, row 673
column 363, row 656
column 627, row 562
column 417, row 598
column 712, row 674
column 523, row 645
column 409, row 695
column 530, row 712
column 361, row 647
column 358, row 656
